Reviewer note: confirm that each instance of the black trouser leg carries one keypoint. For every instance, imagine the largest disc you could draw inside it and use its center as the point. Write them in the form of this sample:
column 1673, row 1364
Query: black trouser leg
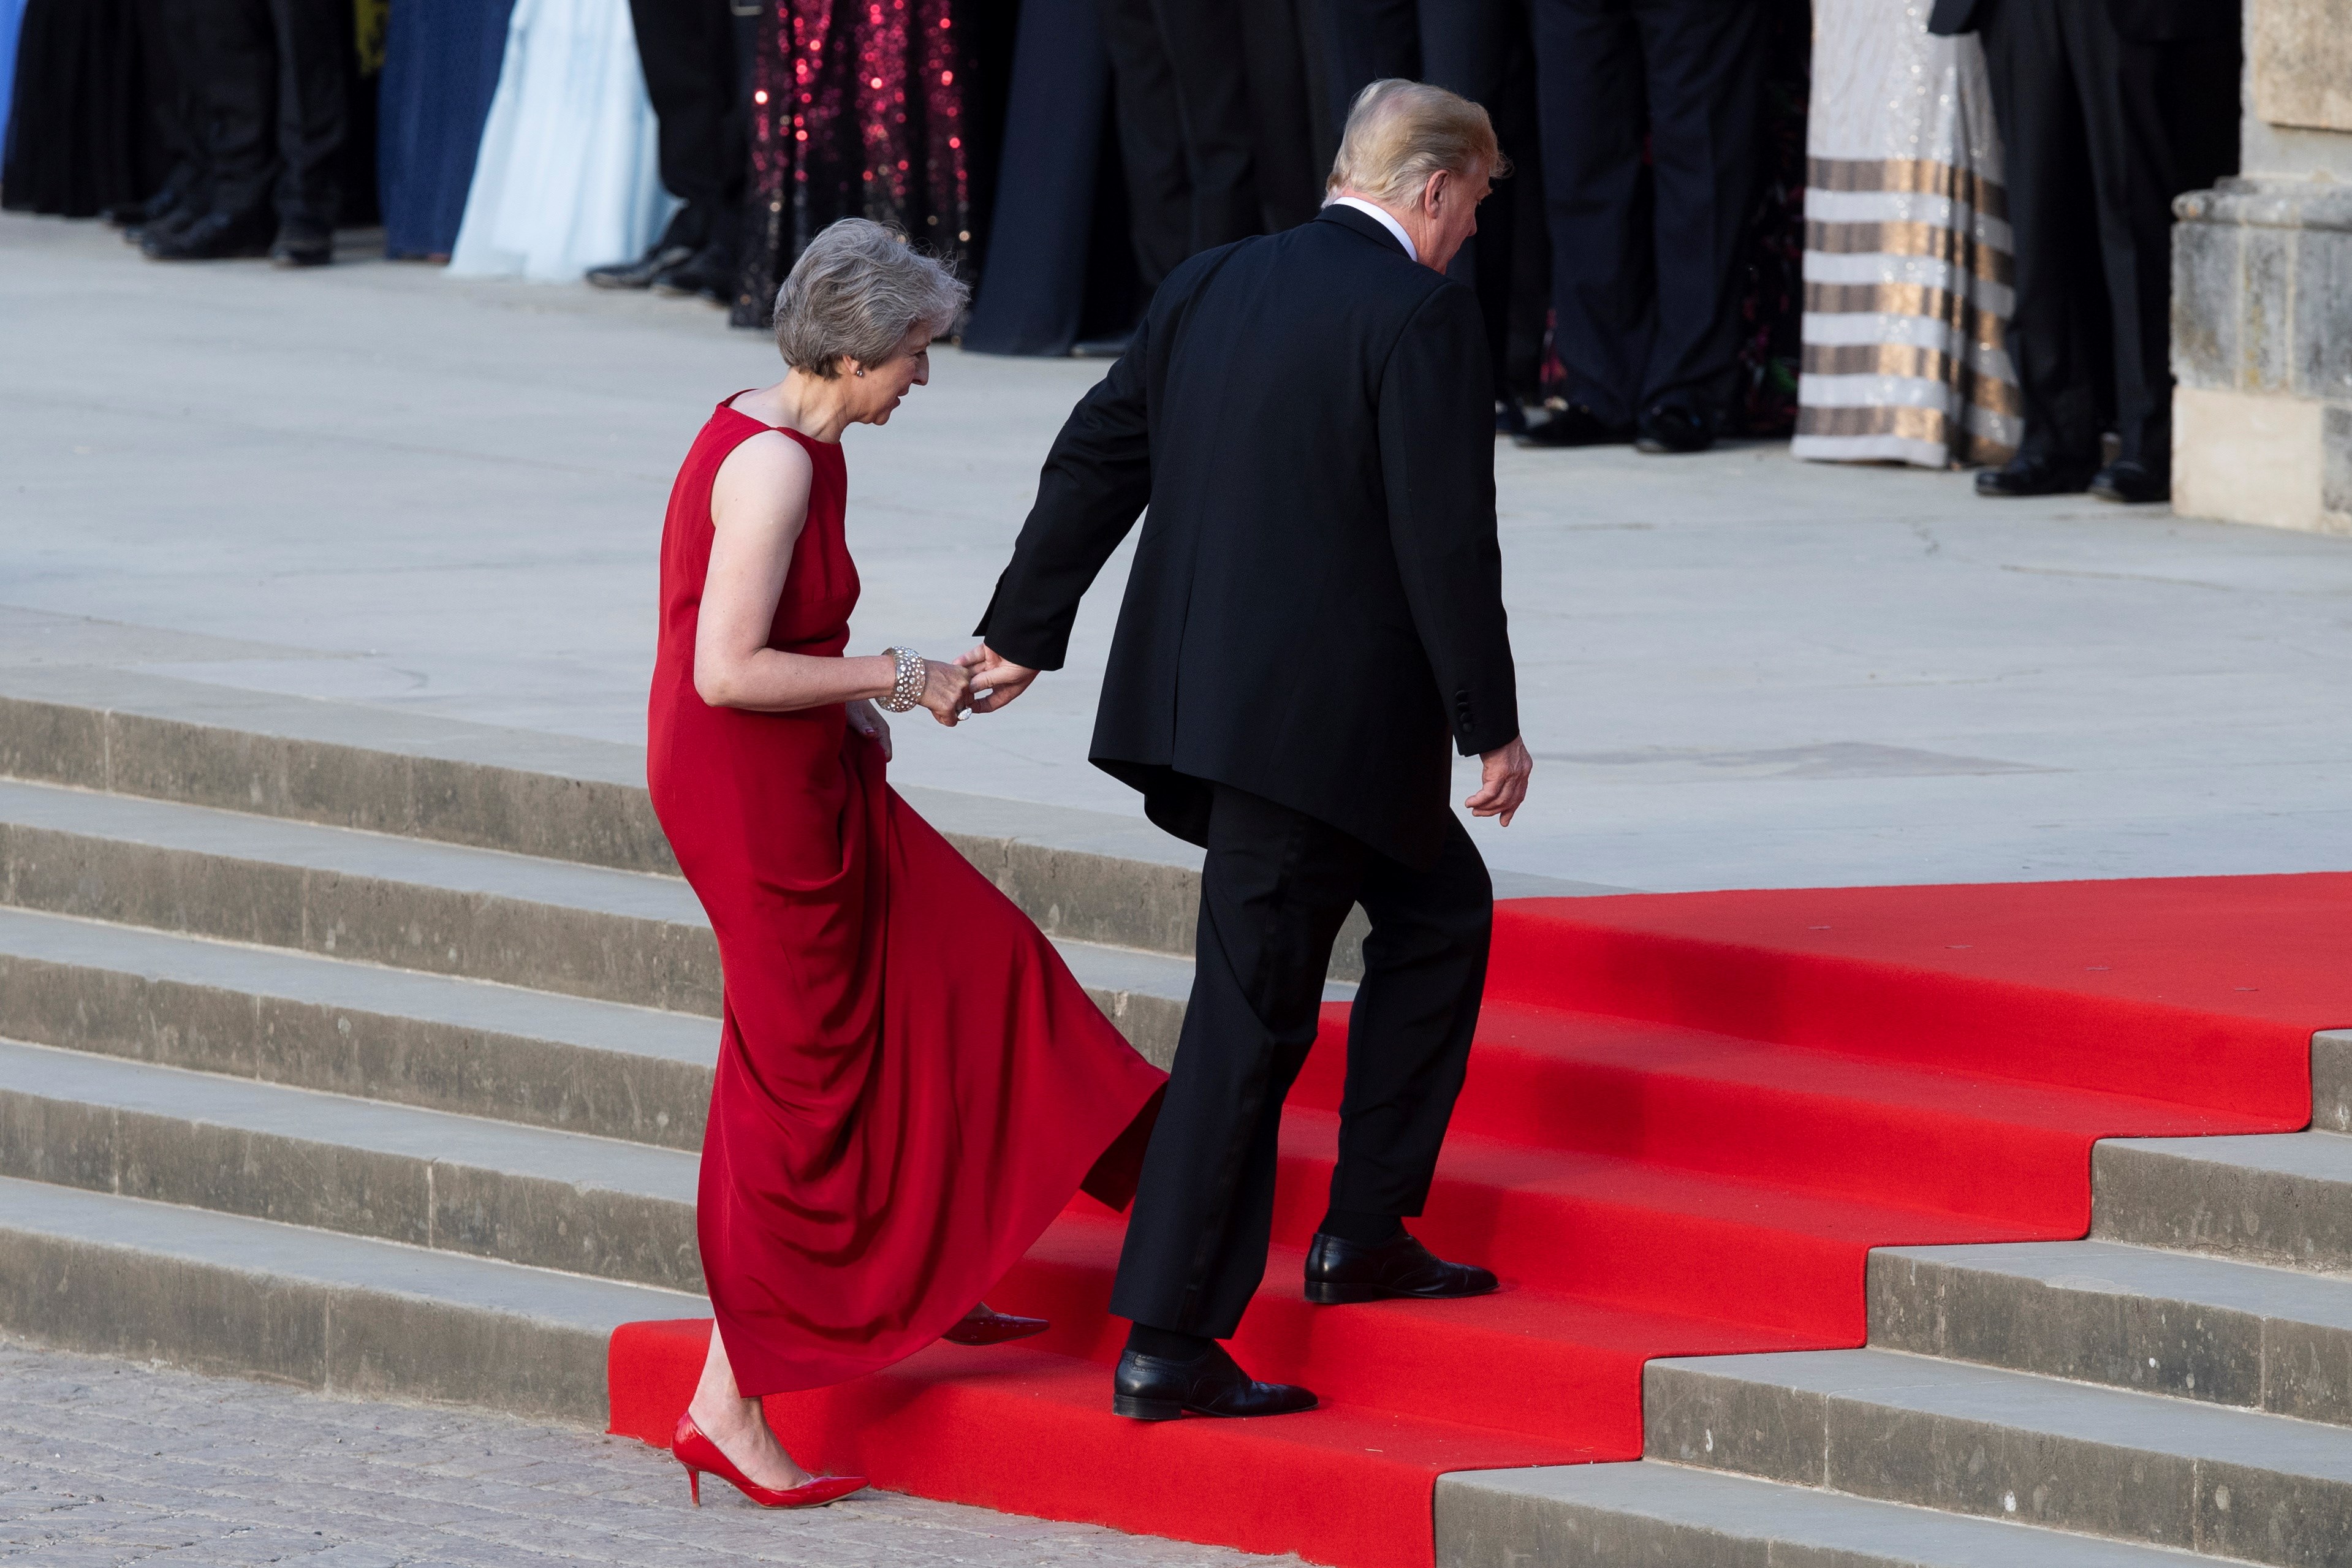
column 1409, row 1034
column 1205, row 58
column 313, row 44
column 687, row 50
column 1275, row 888
column 237, row 73
column 1150, row 139
column 1365, row 41
column 1705, row 65
column 2058, row 328
column 172, row 47
column 1482, row 49
column 1592, row 107
column 2149, row 110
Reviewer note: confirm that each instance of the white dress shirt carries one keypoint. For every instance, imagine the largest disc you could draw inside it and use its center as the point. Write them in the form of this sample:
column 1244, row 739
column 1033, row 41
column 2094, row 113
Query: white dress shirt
column 1387, row 222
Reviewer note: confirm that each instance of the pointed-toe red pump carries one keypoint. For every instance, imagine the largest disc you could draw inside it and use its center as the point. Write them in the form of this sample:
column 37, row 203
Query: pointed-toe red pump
column 698, row 1453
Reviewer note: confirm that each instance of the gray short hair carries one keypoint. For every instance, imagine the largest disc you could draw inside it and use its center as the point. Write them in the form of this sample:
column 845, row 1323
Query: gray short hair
column 855, row 291
column 1401, row 132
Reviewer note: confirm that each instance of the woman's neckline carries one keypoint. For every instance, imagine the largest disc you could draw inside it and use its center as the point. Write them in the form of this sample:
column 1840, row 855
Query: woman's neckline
column 729, row 404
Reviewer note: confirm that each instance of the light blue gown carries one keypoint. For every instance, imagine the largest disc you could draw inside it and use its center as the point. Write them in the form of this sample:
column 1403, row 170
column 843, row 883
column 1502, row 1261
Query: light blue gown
column 567, row 178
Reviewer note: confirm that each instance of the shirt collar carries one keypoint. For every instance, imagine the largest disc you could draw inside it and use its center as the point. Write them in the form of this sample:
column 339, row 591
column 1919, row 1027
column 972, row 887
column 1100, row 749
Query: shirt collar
column 1387, row 222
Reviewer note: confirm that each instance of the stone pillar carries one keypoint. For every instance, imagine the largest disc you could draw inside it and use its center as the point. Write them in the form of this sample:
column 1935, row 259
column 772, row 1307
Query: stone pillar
column 2262, row 290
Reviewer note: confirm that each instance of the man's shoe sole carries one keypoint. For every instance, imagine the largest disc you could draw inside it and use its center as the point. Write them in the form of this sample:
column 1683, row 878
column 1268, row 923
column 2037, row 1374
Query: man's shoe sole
column 1324, row 1293
column 1135, row 1407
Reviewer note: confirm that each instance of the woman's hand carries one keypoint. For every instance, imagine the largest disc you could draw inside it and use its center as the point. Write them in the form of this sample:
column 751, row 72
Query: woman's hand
column 946, row 690
column 868, row 720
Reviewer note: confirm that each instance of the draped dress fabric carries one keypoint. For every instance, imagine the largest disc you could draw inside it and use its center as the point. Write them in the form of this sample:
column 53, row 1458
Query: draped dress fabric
column 441, row 65
column 567, row 176
column 1907, row 269
column 911, row 1083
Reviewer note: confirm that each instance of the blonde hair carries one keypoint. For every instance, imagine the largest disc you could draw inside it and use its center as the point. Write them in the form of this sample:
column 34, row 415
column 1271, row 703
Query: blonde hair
column 1401, row 132
column 856, row 290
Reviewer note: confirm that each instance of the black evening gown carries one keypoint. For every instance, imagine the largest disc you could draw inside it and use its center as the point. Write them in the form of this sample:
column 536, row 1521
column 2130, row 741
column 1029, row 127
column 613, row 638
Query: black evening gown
column 440, row 67
column 80, row 138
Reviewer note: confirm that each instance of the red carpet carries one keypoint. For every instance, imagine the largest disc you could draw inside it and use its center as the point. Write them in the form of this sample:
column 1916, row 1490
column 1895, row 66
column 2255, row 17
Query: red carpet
column 1688, row 1118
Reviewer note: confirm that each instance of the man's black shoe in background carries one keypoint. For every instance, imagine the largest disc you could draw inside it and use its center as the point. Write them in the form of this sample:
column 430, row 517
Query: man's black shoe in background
column 1670, row 427
column 2131, row 482
column 2036, row 476
column 641, row 273
column 706, row 274
column 1575, row 425
column 301, row 245
column 216, row 236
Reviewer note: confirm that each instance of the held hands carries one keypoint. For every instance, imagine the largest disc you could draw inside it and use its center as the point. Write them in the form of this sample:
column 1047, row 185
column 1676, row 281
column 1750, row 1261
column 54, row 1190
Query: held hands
column 995, row 679
column 1505, row 786
column 946, row 690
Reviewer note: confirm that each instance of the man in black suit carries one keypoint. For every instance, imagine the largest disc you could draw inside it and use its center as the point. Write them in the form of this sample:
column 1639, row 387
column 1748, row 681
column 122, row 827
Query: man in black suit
column 1314, row 610
column 1649, row 111
column 696, row 61
column 2108, row 109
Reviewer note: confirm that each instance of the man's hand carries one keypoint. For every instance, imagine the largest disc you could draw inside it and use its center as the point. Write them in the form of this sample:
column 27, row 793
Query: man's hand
column 995, row 679
column 1505, row 785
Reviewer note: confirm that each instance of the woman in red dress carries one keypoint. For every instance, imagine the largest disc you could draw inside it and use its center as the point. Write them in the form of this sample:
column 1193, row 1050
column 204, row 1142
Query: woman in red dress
column 911, row 1083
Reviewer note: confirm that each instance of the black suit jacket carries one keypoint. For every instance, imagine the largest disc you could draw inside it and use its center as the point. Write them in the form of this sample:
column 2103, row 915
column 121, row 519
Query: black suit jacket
column 2151, row 20
column 1315, row 603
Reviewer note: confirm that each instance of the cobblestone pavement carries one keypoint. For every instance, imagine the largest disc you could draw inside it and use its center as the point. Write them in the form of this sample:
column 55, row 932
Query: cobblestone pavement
column 106, row 1462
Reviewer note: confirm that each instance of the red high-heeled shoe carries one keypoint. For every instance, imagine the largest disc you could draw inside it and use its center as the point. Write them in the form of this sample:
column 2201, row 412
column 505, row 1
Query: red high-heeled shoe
column 984, row 1326
column 697, row 1453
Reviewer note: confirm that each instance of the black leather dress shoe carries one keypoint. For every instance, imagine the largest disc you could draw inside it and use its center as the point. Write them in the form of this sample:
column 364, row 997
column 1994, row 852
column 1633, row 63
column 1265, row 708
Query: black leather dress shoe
column 1510, row 419
column 2033, row 477
column 1340, row 1271
column 299, row 244
column 705, row 274
column 2131, row 482
column 213, row 237
column 1670, row 427
column 641, row 273
column 1575, row 425
column 1153, row 1388
column 169, row 222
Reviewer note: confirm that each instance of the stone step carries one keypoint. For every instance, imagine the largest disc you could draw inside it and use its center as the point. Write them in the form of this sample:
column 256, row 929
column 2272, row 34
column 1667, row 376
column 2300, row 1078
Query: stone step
column 2331, row 1081
column 1651, row 1514
column 484, row 914
column 1091, row 877
column 439, row 1041
column 2284, row 1199
column 1996, row 1444
column 222, row 1294
column 425, row 1178
column 2209, row 1329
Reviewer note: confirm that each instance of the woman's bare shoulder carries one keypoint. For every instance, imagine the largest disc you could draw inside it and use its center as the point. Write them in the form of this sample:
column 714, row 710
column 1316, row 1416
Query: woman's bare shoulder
column 767, row 475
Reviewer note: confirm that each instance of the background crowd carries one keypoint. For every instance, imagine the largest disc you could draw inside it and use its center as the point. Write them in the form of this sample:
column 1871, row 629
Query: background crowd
column 1916, row 231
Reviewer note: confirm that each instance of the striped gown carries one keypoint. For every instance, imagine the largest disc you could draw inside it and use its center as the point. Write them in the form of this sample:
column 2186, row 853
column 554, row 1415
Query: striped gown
column 1907, row 270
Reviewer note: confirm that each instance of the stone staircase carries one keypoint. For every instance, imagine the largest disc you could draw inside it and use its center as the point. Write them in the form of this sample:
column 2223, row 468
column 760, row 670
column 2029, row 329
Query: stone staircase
column 2177, row 1386
column 372, row 1052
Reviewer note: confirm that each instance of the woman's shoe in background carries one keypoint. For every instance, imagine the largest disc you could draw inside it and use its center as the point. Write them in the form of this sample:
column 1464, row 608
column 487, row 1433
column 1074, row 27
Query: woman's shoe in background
column 697, row 1453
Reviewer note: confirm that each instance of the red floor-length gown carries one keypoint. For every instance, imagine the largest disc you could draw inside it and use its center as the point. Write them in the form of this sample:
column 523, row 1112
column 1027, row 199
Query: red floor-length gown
column 911, row 1083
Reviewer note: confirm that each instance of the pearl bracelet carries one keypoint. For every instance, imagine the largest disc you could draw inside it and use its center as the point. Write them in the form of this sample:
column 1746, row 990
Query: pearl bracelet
column 907, row 686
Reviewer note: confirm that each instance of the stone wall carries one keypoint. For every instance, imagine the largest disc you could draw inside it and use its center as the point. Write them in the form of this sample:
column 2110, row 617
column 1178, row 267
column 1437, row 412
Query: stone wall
column 2262, row 290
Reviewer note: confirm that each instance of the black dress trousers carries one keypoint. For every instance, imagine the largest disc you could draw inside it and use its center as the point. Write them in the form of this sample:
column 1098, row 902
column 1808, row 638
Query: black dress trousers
column 1484, row 49
column 1645, row 259
column 1275, row 889
column 695, row 81
column 2102, row 130
column 274, row 76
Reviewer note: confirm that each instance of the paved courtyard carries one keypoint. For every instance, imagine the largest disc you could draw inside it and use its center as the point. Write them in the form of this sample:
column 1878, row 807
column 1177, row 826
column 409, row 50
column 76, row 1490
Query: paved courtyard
column 106, row 1462
column 377, row 484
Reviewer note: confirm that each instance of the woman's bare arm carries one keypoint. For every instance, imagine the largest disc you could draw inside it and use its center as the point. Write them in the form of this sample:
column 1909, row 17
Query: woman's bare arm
column 759, row 504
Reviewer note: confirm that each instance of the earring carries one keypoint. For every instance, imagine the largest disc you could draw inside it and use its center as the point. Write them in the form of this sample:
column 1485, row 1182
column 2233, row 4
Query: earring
column 860, row 372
